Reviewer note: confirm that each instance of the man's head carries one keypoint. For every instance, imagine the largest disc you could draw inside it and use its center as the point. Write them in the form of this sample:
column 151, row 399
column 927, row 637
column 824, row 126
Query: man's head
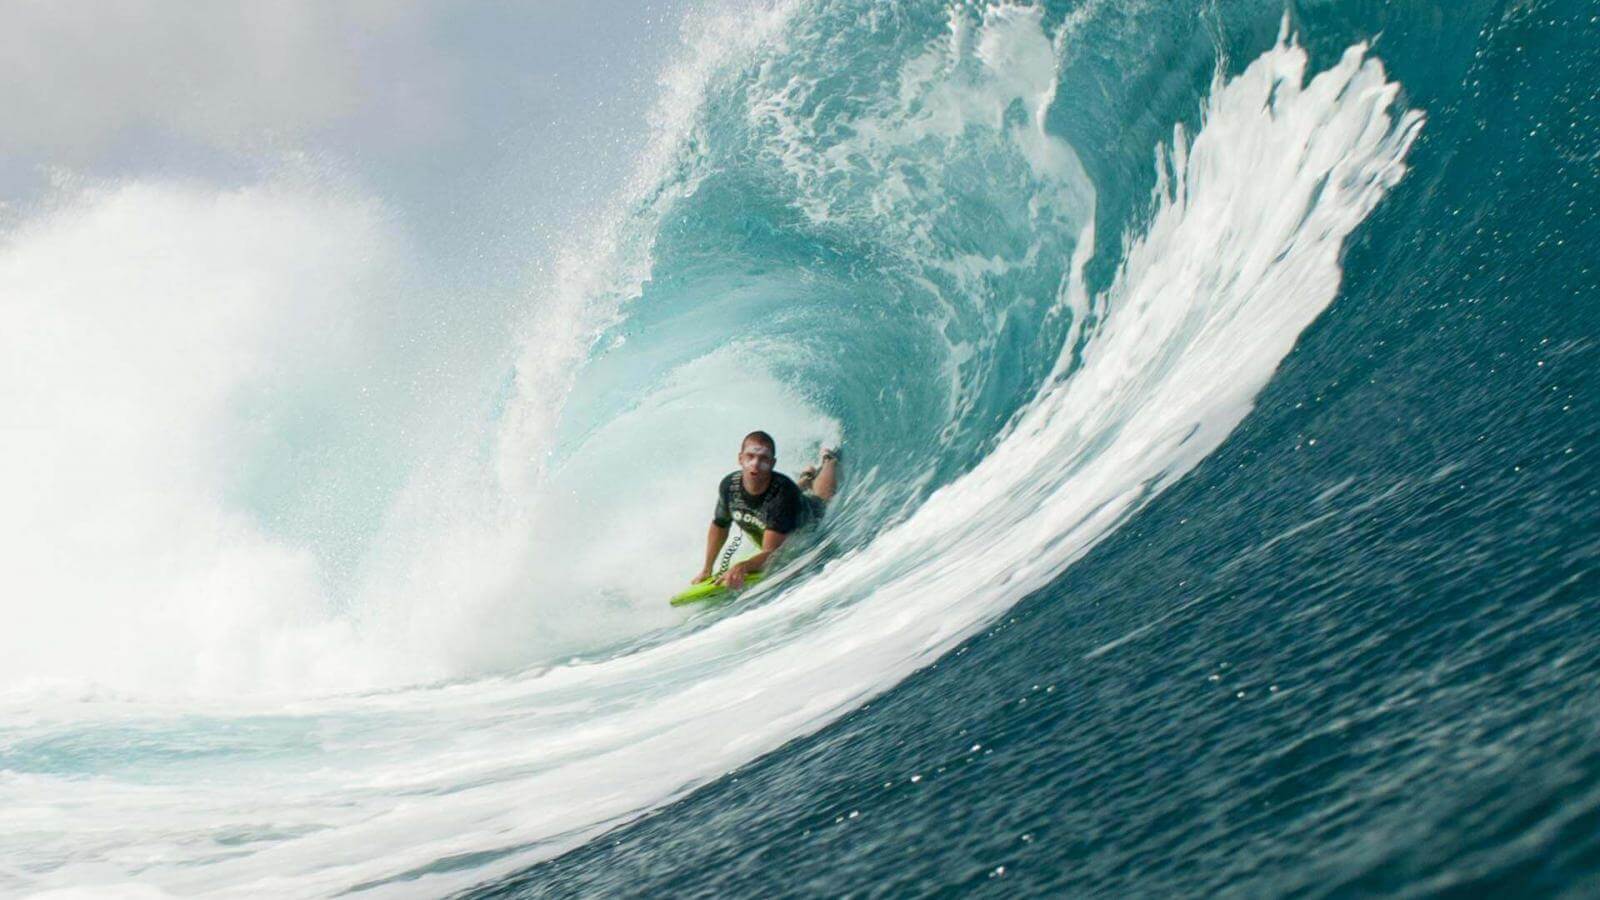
column 757, row 453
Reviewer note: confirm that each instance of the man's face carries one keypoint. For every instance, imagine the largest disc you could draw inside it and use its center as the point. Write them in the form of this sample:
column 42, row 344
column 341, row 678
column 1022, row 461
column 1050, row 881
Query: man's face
column 756, row 458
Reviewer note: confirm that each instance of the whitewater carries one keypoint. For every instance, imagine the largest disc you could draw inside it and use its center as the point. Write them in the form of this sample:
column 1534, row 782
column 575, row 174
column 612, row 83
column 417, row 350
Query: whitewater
column 284, row 624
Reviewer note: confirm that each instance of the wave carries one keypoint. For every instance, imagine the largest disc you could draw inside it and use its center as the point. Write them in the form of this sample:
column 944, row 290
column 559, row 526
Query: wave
column 836, row 237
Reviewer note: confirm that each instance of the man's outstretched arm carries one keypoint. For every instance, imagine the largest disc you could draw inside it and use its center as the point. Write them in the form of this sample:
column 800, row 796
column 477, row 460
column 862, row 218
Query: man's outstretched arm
column 715, row 538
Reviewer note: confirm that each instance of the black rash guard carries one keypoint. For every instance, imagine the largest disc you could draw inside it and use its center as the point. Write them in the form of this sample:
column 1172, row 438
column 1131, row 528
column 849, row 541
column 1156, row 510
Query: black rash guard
column 783, row 507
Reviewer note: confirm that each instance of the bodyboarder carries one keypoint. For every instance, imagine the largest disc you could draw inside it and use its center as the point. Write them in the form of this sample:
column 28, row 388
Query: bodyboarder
column 767, row 505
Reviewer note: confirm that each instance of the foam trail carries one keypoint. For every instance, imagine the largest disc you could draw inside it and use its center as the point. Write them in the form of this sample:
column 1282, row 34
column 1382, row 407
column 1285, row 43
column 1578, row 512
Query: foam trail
column 1236, row 261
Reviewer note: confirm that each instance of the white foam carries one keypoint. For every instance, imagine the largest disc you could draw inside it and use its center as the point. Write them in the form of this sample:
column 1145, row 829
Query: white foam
column 133, row 321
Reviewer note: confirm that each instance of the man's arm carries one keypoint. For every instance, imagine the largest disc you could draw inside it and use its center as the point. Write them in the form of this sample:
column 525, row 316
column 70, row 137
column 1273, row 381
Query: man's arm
column 721, row 518
column 715, row 538
column 770, row 542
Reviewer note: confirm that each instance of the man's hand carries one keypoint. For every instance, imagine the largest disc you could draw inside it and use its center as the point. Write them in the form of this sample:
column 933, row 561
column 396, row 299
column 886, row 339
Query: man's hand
column 705, row 575
column 734, row 577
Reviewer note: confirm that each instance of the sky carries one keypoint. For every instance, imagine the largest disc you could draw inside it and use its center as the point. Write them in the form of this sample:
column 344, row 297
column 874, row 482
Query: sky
column 479, row 121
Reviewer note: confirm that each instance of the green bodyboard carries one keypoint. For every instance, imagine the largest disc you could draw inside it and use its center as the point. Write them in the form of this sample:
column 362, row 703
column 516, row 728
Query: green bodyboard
column 710, row 590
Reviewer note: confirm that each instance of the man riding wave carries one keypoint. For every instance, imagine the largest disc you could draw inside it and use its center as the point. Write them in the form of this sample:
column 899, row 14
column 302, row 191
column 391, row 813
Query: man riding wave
column 767, row 505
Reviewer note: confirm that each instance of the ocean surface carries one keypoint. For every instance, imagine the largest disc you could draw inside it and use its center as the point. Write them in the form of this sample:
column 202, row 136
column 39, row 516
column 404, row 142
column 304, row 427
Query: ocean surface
column 1219, row 389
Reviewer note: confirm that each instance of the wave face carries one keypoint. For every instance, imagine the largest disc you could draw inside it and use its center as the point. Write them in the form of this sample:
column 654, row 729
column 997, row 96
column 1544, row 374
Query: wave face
column 1218, row 396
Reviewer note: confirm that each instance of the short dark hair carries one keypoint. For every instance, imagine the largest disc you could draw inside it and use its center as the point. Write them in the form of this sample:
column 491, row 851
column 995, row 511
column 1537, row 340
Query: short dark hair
column 761, row 437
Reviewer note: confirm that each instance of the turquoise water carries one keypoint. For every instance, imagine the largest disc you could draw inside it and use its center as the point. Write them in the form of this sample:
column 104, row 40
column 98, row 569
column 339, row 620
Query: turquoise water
column 1218, row 392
